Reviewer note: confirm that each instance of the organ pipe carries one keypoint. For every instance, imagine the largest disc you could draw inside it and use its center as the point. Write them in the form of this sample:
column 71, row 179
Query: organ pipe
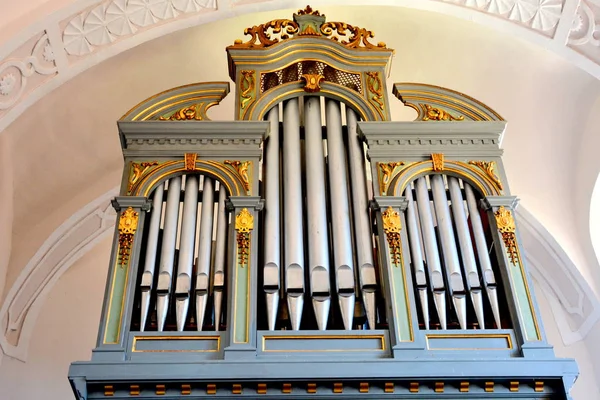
column 318, row 242
column 167, row 254
column 151, row 249
column 292, row 195
column 204, row 250
column 340, row 212
column 220, row 256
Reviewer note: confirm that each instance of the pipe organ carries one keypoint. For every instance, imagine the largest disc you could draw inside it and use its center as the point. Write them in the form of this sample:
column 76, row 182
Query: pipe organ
column 312, row 247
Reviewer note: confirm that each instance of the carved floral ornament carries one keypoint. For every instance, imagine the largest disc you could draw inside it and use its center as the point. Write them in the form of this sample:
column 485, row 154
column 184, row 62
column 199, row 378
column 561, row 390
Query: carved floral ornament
column 128, row 223
column 392, row 227
column 244, row 223
column 507, row 228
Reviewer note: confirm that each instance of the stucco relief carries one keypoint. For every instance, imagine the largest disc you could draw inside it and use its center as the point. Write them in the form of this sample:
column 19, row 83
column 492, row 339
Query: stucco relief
column 16, row 72
column 585, row 29
column 111, row 20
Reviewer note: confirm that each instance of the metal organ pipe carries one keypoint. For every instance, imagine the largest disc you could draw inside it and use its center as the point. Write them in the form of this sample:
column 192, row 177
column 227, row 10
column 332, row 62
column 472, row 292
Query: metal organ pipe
column 204, row 250
column 431, row 249
column 272, row 219
column 455, row 281
column 466, row 249
column 292, row 196
column 417, row 255
column 186, row 250
column 362, row 229
column 489, row 280
column 151, row 248
column 220, row 258
column 168, row 250
column 318, row 243
column 340, row 212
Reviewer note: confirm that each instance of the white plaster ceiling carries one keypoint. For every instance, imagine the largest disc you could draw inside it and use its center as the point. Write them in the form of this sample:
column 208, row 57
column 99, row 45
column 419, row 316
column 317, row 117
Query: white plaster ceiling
column 59, row 138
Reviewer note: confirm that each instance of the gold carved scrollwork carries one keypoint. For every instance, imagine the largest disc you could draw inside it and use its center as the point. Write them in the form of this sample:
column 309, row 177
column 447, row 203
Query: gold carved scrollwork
column 488, row 168
column 190, row 161
column 128, row 223
column 264, row 33
column 185, row 114
column 438, row 162
column 309, row 11
column 392, row 227
column 359, row 37
column 375, row 87
column 247, row 85
column 436, row 114
column 506, row 226
column 242, row 169
column 244, row 223
column 313, row 82
column 137, row 171
column 386, row 173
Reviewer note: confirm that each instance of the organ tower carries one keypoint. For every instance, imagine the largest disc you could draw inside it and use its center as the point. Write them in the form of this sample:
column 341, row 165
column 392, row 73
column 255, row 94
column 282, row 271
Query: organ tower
column 312, row 247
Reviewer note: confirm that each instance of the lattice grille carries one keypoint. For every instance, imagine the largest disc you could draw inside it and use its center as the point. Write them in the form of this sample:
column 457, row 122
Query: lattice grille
column 292, row 73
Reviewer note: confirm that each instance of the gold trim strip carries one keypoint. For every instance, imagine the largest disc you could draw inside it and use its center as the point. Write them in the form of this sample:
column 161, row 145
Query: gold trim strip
column 505, row 336
column 150, row 338
column 321, row 337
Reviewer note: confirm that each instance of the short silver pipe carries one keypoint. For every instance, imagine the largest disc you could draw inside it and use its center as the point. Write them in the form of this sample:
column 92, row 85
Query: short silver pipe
column 453, row 271
column 292, row 196
column 272, row 237
column 436, row 277
column 187, row 237
column 167, row 254
column 204, row 250
column 340, row 212
column 362, row 228
column 466, row 249
column 416, row 252
column 151, row 248
column 318, row 241
column 220, row 256
column 489, row 280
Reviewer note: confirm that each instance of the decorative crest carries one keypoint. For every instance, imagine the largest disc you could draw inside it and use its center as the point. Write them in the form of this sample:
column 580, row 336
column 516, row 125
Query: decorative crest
column 438, row 162
column 309, row 11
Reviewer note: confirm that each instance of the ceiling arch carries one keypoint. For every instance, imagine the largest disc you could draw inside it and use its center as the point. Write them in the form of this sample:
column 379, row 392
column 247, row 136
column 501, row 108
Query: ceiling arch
column 39, row 55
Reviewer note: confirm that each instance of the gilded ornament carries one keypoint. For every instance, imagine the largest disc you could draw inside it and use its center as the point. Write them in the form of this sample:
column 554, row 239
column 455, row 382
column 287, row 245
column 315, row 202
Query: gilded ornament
column 438, row 162
column 242, row 169
column 128, row 222
column 488, row 168
column 392, row 227
column 375, row 87
column 437, row 114
column 506, row 226
column 188, row 113
column 137, row 170
column 244, row 223
column 266, row 34
column 247, row 85
column 313, row 82
column 190, row 161
column 358, row 36
column 309, row 11
column 386, row 174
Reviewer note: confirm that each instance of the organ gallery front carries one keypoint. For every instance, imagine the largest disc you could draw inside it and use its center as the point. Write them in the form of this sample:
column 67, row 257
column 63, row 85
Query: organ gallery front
column 312, row 247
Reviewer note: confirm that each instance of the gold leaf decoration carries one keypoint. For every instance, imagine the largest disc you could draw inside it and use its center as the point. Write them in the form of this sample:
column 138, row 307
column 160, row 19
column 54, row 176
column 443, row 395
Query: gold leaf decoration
column 392, row 227
column 375, row 87
column 437, row 114
column 190, row 161
column 137, row 171
column 359, row 37
column 386, row 174
column 247, row 85
column 244, row 223
column 488, row 168
column 185, row 114
column 506, row 226
column 242, row 169
column 128, row 222
column 438, row 162
column 264, row 33
column 313, row 82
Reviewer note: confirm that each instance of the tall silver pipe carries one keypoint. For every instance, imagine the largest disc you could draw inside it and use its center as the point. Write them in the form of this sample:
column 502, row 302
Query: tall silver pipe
column 417, row 255
column 272, row 220
column 363, row 241
column 455, row 281
column 466, row 249
column 186, row 250
column 167, row 253
column 318, row 242
column 151, row 247
column 340, row 212
column 219, row 271
column 489, row 281
column 204, row 250
column 292, row 196
column 436, row 277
